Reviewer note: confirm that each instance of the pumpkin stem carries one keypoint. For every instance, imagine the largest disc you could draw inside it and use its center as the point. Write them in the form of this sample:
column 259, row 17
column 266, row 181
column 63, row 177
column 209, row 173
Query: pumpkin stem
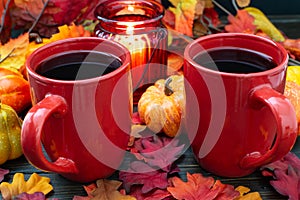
column 168, row 90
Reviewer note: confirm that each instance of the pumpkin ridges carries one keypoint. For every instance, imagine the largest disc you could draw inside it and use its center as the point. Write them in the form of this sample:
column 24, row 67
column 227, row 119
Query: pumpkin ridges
column 160, row 111
column 4, row 143
column 10, row 134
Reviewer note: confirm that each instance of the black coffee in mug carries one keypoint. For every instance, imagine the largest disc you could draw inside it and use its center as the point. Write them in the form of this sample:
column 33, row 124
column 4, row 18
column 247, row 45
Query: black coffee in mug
column 78, row 65
column 235, row 60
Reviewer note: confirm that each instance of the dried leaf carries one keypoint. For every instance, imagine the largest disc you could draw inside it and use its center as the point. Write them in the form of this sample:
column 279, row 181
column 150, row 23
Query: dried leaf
column 5, row 20
column 286, row 173
column 263, row 24
column 88, row 189
column 155, row 194
column 3, row 172
column 293, row 47
column 50, row 14
column 142, row 174
column 241, row 23
column 34, row 184
column 184, row 12
column 12, row 54
column 245, row 194
column 34, row 196
column 158, row 152
column 65, row 31
column 108, row 190
column 199, row 187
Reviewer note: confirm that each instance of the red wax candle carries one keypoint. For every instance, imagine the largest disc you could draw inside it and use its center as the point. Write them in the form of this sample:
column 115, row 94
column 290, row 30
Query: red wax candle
column 137, row 25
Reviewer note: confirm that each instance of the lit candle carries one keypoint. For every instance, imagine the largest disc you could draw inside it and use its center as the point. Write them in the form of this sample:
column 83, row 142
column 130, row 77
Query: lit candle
column 137, row 25
column 139, row 47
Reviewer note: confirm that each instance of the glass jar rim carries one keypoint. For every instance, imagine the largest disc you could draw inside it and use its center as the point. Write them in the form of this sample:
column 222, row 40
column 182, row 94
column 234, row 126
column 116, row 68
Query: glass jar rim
column 116, row 5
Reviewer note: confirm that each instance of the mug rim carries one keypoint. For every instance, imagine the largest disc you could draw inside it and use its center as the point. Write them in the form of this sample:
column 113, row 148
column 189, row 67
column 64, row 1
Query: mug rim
column 279, row 66
column 125, row 62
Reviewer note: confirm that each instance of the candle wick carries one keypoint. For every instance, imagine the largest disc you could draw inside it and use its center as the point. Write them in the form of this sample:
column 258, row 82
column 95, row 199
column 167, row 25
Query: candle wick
column 161, row 34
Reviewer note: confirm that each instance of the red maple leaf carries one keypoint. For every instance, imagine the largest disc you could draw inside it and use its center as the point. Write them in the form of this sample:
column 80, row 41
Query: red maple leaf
column 158, row 151
column 286, row 173
column 201, row 188
column 142, row 174
column 243, row 22
column 152, row 195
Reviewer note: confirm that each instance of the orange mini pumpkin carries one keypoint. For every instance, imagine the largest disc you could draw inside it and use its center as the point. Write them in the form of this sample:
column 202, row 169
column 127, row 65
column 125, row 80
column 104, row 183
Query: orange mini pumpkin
column 161, row 105
column 14, row 90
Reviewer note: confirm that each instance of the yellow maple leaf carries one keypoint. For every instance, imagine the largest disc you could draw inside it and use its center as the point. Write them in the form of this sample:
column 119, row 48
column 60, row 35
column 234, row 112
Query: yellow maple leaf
column 184, row 12
column 12, row 54
column 245, row 194
column 34, row 184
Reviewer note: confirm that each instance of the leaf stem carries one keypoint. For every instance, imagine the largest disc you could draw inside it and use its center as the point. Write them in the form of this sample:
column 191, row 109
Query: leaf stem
column 39, row 16
column 3, row 15
column 234, row 5
column 221, row 7
column 2, row 59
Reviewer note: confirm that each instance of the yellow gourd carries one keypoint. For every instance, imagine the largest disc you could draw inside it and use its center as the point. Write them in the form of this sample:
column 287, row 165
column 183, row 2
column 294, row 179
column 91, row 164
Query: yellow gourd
column 10, row 134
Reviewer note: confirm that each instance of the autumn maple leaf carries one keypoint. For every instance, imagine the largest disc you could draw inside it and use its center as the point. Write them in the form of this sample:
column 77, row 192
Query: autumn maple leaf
column 142, row 174
column 286, row 173
column 152, row 195
column 34, row 184
column 104, row 189
column 243, row 22
column 201, row 188
column 159, row 152
column 12, row 54
column 184, row 11
column 46, row 16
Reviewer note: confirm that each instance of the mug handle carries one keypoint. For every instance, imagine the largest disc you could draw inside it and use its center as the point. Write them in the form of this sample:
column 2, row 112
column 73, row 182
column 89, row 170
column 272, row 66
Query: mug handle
column 32, row 129
column 285, row 117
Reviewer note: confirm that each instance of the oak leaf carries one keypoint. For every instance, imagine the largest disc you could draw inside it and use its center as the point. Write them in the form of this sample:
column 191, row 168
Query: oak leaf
column 34, row 184
column 199, row 187
column 12, row 54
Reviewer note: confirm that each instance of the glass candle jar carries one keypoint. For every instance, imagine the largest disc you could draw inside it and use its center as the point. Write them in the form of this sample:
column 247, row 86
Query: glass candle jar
column 137, row 25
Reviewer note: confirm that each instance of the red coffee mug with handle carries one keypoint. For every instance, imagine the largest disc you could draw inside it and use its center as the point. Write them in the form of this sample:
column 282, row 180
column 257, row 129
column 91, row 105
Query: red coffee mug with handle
column 237, row 117
column 81, row 114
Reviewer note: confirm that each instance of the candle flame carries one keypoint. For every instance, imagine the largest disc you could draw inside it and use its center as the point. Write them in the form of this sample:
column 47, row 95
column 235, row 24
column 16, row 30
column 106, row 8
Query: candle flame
column 130, row 8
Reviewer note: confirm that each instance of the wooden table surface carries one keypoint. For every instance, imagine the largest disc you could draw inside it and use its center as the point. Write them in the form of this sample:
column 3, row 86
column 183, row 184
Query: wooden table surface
column 64, row 189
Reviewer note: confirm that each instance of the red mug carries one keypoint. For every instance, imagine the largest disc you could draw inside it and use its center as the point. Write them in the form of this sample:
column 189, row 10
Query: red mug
column 81, row 118
column 237, row 117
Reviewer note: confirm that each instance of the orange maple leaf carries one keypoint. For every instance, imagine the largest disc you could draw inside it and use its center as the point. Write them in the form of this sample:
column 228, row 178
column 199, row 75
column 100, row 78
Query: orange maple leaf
column 243, row 22
column 201, row 188
column 184, row 11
